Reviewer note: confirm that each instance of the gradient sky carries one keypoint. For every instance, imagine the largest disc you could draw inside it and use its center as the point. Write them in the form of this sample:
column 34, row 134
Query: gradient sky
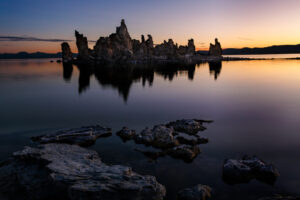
column 237, row 23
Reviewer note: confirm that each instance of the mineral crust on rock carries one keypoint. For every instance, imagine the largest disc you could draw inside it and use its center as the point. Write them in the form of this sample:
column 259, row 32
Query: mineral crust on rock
column 84, row 136
column 63, row 171
column 247, row 168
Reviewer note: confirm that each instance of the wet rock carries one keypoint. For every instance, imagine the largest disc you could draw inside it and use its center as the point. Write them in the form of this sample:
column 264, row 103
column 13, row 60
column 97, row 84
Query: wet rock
column 189, row 126
column 186, row 152
column 58, row 61
column 82, row 46
column 215, row 49
column 84, row 136
column 198, row 192
column 190, row 139
column 63, row 171
column 159, row 136
column 126, row 134
column 67, row 55
column 247, row 168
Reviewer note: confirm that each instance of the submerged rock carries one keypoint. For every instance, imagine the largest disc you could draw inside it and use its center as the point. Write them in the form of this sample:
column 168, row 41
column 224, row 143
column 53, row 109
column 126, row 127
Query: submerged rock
column 63, row 171
column 186, row 152
column 248, row 168
column 126, row 134
column 198, row 192
column 84, row 136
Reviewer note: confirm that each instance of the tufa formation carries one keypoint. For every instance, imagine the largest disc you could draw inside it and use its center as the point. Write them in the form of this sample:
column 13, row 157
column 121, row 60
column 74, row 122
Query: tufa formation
column 120, row 47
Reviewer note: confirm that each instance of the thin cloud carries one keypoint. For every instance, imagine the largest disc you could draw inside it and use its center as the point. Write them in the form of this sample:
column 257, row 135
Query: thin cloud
column 33, row 39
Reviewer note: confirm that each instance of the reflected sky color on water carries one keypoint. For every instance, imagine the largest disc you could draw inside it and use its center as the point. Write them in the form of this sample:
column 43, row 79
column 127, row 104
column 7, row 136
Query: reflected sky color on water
column 255, row 106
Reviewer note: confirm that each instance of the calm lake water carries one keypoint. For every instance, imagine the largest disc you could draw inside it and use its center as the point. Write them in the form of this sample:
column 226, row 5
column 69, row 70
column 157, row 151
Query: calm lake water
column 255, row 106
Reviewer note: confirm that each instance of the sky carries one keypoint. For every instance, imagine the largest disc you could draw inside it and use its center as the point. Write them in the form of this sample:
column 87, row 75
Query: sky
column 41, row 25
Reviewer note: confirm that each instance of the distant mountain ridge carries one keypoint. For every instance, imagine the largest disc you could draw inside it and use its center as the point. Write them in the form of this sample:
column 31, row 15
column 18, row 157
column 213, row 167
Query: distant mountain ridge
column 275, row 49
column 25, row 55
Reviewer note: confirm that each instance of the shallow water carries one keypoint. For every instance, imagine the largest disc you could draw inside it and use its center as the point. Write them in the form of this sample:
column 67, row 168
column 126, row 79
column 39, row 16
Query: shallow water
column 255, row 106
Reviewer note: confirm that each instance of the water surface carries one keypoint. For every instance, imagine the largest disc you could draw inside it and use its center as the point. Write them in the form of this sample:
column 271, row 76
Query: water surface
column 255, row 106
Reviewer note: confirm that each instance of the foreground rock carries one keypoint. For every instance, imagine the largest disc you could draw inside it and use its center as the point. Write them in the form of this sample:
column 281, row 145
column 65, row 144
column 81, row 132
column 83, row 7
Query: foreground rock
column 198, row 192
column 178, row 139
column 248, row 168
column 84, row 136
column 62, row 171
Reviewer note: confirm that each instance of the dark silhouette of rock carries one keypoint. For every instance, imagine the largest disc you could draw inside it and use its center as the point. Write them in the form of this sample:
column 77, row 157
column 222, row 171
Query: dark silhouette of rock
column 63, row 171
column 198, row 192
column 120, row 47
column 247, row 168
column 215, row 49
column 84, row 136
column 82, row 46
column 67, row 55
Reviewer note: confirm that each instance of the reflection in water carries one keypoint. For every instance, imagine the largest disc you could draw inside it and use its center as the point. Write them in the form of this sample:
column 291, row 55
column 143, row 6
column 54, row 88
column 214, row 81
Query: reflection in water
column 121, row 77
column 68, row 69
column 215, row 69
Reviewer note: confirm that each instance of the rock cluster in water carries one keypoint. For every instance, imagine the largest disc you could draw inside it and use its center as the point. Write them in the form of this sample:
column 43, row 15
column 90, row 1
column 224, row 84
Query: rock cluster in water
column 63, row 171
column 248, row 168
column 178, row 139
column 120, row 47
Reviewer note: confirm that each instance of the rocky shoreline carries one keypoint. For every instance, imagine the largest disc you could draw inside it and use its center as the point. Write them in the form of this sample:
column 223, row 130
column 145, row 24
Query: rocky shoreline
column 60, row 168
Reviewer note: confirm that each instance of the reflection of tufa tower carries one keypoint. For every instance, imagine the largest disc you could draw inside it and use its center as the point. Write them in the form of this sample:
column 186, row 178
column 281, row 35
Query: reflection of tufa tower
column 215, row 69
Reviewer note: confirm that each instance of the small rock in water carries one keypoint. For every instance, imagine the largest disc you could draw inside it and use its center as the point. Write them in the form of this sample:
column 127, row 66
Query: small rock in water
column 189, row 126
column 248, row 168
column 160, row 136
column 185, row 152
column 58, row 61
column 84, row 136
column 126, row 134
column 63, row 171
column 198, row 192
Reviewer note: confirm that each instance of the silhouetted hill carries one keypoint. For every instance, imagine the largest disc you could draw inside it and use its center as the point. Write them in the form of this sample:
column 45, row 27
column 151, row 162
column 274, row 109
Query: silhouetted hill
column 276, row 49
column 25, row 55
